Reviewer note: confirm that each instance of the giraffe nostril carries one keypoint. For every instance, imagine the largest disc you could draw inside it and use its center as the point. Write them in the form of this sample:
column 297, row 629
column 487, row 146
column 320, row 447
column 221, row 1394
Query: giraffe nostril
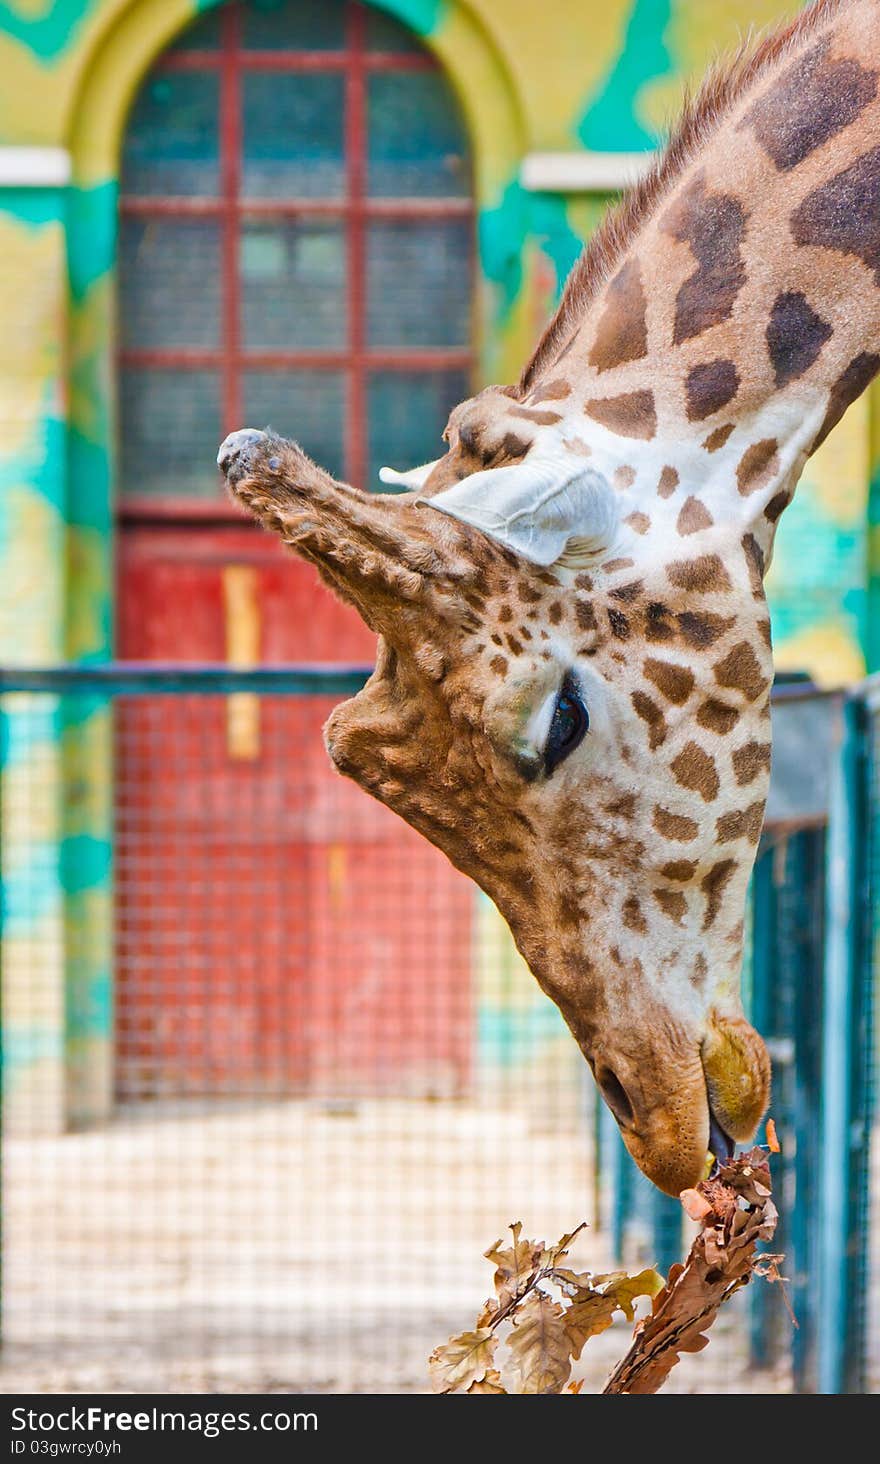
column 615, row 1096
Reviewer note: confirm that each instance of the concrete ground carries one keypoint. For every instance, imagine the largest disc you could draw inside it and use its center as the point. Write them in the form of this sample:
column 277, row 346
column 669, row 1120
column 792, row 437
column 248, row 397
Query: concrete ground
column 289, row 1246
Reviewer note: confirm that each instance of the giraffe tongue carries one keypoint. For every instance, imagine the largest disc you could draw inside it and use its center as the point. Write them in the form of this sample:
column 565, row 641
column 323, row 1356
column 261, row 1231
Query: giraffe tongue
column 720, row 1143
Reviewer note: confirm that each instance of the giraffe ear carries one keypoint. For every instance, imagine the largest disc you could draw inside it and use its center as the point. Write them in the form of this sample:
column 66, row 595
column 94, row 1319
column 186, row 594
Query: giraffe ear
column 413, row 478
column 546, row 509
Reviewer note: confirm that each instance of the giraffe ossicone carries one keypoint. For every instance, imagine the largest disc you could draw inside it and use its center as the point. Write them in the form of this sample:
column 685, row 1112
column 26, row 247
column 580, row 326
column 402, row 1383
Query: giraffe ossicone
column 571, row 693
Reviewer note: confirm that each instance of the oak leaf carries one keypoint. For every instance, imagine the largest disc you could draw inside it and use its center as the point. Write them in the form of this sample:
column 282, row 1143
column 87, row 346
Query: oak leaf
column 491, row 1383
column 540, row 1346
column 462, row 1361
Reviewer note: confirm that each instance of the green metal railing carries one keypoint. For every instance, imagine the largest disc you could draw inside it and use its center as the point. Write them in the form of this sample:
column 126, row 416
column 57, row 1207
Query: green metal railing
column 808, row 986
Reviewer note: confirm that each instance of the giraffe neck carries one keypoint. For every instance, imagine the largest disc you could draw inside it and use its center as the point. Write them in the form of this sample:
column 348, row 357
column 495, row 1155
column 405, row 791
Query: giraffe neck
column 742, row 315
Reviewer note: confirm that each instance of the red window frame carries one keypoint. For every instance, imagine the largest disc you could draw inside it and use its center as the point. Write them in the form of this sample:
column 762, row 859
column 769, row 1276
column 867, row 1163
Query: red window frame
column 355, row 208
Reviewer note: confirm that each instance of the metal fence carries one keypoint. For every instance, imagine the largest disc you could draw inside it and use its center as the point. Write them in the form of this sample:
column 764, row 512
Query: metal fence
column 274, row 1076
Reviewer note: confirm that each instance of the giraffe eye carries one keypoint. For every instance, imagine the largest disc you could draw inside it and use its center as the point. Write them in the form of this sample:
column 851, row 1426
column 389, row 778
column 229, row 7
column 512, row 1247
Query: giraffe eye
column 571, row 722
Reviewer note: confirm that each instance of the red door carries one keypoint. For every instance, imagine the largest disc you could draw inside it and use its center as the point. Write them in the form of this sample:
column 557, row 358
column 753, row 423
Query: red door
column 295, row 249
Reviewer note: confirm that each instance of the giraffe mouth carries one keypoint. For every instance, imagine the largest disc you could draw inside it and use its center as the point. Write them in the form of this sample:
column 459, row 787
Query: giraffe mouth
column 721, row 1145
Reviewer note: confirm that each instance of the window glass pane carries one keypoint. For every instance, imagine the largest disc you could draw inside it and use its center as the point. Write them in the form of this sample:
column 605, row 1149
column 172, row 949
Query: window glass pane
column 293, row 25
column 418, row 283
column 417, row 145
column 306, row 405
column 293, row 136
column 204, row 35
column 386, row 34
column 172, row 139
column 169, row 432
column 169, row 282
column 293, row 285
column 407, row 413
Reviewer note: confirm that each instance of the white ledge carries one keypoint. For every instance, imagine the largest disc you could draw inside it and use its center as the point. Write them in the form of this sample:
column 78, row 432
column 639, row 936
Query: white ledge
column 34, row 167
column 583, row 172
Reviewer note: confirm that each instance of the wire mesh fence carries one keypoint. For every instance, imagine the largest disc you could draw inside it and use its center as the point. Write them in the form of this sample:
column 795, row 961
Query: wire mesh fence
column 275, row 1076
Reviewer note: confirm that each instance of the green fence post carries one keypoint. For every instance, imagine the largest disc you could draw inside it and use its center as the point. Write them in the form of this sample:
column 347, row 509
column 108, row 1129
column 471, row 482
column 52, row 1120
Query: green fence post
column 763, row 963
column 844, row 1134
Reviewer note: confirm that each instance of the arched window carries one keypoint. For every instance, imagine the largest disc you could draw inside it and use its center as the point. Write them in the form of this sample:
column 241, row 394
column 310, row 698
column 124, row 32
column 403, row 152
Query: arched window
column 296, row 247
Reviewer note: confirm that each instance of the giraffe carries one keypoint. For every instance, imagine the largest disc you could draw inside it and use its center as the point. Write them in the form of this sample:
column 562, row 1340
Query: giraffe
column 571, row 693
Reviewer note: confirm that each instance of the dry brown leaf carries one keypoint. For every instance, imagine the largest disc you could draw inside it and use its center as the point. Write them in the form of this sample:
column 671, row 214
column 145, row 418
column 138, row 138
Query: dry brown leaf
column 462, row 1361
column 515, row 1264
column 491, row 1383
column 540, row 1347
column 721, row 1260
column 695, row 1206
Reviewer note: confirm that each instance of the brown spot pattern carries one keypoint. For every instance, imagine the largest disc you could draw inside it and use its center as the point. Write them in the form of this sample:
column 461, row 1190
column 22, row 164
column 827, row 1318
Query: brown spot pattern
column 703, row 629
column 585, row 615
column 633, row 917
column 716, row 439
column 694, row 769
column 550, row 391
column 795, row 336
column 754, row 556
column 704, row 575
column 693, row 517
column 750, row 760
column 498, row 664
column 757, row 466
column 741, row 671
column 638, row 522
column 627, row 593
column 814, row 98
column 540, row 419
column 633, row 414
column 849, row 385
column 745, row 823
column 680, row 870
column 713, row 886
column 622, row 333
column 669, row 481
column 843, row 213
column 624, row 477
column 774, row 508
column 675, row 825
column 649, row 712
column 619, row 624
column 717, row 716
column 700, row 971
column 713, row 225
column 674, row 682
column 672, row 903
column 709, row 387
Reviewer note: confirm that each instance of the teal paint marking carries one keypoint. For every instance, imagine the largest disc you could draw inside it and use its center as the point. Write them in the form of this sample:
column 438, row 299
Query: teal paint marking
column 91, row 235
column 501, row 230
column 39, row 466
column 89, row 1000
column 89, row 471
column 872, row 607
column 24, row 1046
column 610, row 122
column 49, row 35
column 36, row 207
column 28, row 733
column 507, row 1038
column 31, row 890
column 554, row 235
column 422, row 16
column 84, row 863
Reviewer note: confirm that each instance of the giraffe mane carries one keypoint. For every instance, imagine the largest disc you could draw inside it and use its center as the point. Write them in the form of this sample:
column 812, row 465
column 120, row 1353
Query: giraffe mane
column 702, row 113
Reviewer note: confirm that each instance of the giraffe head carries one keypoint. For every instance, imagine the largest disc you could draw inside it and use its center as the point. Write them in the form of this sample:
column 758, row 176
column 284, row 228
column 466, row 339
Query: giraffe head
column 570, row 700
column 571, row 694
